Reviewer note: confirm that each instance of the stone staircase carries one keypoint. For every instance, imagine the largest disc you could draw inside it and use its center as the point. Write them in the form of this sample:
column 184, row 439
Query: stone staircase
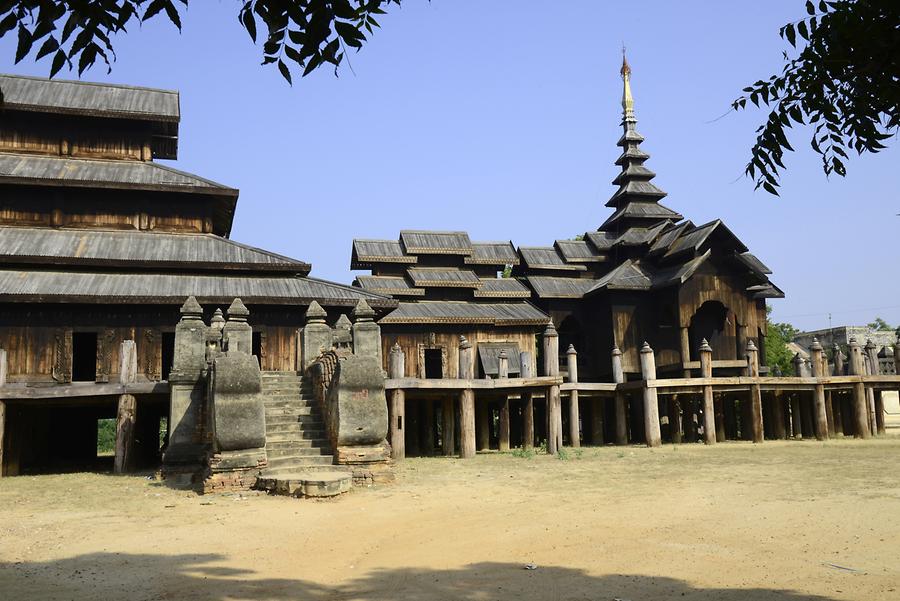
column 296, row 440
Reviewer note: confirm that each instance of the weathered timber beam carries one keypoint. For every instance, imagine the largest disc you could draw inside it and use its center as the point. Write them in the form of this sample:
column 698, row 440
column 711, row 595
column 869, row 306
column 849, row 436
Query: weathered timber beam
column 21, row 392
column 475, row 384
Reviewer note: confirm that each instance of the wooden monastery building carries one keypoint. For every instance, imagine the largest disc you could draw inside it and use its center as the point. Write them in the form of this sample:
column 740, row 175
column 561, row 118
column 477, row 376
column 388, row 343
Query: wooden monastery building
column 646, row 275
column 101, row 243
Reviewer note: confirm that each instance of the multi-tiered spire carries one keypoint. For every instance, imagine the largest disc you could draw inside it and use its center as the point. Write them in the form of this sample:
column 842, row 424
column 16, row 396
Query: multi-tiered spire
column 637, row 199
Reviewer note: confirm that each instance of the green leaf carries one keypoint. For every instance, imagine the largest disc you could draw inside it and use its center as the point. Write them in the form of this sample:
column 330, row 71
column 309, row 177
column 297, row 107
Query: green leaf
column 24, row 45
column 249, row 23
column 59, row 59
column 50, row 45
column 285, row 72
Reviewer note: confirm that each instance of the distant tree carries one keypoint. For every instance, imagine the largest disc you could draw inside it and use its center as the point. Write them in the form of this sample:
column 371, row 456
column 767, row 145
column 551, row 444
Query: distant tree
column 777, row 351
column 844, row 81
column 880, row 325
column 297, row 34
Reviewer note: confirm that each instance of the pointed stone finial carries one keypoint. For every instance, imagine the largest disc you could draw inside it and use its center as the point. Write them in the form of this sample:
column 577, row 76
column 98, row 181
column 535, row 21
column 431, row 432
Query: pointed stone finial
column 627, row 99
column 704, row 346
column 550, row 330
column 645, row 348
column 869, row 344
column 797, row 360
column 776, row 371
column 396, row 348
column 218, row 319
column 191, row 308
column 571, row 350
column 615, row 351
column 463, row 343
column 503, row 354
column 816, row 345
column 237, row 311
column 853, row 341
column 343, row 322
column 315, row 313
column 362, row 311
column 751, row 346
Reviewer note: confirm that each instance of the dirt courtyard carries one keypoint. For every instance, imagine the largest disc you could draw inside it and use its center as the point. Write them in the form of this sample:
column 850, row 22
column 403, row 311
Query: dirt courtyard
column 782, row 520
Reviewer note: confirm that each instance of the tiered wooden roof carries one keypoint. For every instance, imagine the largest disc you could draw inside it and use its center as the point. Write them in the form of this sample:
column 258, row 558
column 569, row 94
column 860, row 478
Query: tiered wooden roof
column 644, row 245
column 104, row 263
column 458, row 286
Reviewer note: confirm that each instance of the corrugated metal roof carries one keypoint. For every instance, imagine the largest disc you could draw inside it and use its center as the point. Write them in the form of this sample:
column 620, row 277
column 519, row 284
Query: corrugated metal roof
column 461, row 312
column 443, row 278
column 378, row 251
column 560, row 287
column 436, row 243
column 502, row 288
column 137, row 249
column 86, row 98
column 388, row 284
column 578, row 251
column 157, row 288
column 101, row 173
column 493, row 253
column 546, row 257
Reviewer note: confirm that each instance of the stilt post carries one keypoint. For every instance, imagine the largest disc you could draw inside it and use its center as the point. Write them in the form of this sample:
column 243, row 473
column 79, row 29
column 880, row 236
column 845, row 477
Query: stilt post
column 860, row 411
column 448, row 427
column 651, row 405
column 709, row 410
column 574, row 418
column 756, row 417
column 125, row 420
column 872, row 369
column 503, row 374
column 554, row 409
column 466, row 401
column 397, row 369
column 619, row 378
column 527, row 403
column 818, row 372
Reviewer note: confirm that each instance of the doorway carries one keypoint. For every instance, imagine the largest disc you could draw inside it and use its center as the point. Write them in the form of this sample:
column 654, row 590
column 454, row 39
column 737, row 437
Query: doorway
column 168, row 353
column 84, row 356
column 434, row 363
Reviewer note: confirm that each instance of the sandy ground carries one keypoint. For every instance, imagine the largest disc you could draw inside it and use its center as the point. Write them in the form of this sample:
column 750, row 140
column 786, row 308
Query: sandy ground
column 778, row 521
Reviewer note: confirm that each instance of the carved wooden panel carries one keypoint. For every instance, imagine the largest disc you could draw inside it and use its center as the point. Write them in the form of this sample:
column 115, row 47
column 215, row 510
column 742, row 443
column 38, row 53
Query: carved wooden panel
column 62, row 356
column 106, row 347
column 151, row 363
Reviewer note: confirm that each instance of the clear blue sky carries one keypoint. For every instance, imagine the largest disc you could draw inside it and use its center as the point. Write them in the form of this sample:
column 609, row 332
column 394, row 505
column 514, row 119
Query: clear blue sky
column 500, row 118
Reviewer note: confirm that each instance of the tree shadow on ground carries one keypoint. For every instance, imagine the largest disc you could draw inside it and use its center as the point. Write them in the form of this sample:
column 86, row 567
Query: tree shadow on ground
column 120, row 576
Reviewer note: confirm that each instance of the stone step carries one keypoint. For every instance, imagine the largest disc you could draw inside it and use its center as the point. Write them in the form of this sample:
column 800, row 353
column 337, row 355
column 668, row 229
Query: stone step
column 281, row 440
column 301, row 421
column 304, row 431
column 294, row 402
column 295, row 451
column 305, row 436
column 306, row 483
column 275, row 411
column 286, row 461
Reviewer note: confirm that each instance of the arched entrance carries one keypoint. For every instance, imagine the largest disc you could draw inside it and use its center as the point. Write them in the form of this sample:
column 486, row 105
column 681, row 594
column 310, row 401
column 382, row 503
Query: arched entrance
column 711, row 322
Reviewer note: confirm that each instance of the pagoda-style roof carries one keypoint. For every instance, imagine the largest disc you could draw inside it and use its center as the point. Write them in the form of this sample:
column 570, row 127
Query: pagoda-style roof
column 466, row 312
column 369, row 252
column 39, row 94
column 560, row 287
column 546, row 258
column 138, row 250
column 501, row 288
column 388, row 284
column 579, row 251
column 493, row 253
column 21, row 285
column 438, row 277
column 421, row 242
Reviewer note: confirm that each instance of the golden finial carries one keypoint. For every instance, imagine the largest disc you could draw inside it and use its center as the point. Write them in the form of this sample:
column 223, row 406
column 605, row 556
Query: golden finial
column 627, row 99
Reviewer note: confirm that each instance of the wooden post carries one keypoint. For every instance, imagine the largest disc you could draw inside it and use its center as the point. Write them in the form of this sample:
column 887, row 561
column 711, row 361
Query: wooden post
column 879, row 413
column 448, row 427
column 527, row 403
column 860, row 411
column 574, row 417
column 756, row 418
column 619, row 378
column 125, row 419
column 778, row 418
column 837, row 410
column 483, row 424
column 719, row 404
column 652, row 434
column 829, row 411
column 426, row 414
column 466, row 401
column 502, row 374
column 818, row 372
column 872, row 369
column 685, row 352
column 127, row 362
column 554, row 409
column 709, row 409
column 838, row 356
column 675, row 421
column 2, row 437
column 897, row 355
column 397, row 369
